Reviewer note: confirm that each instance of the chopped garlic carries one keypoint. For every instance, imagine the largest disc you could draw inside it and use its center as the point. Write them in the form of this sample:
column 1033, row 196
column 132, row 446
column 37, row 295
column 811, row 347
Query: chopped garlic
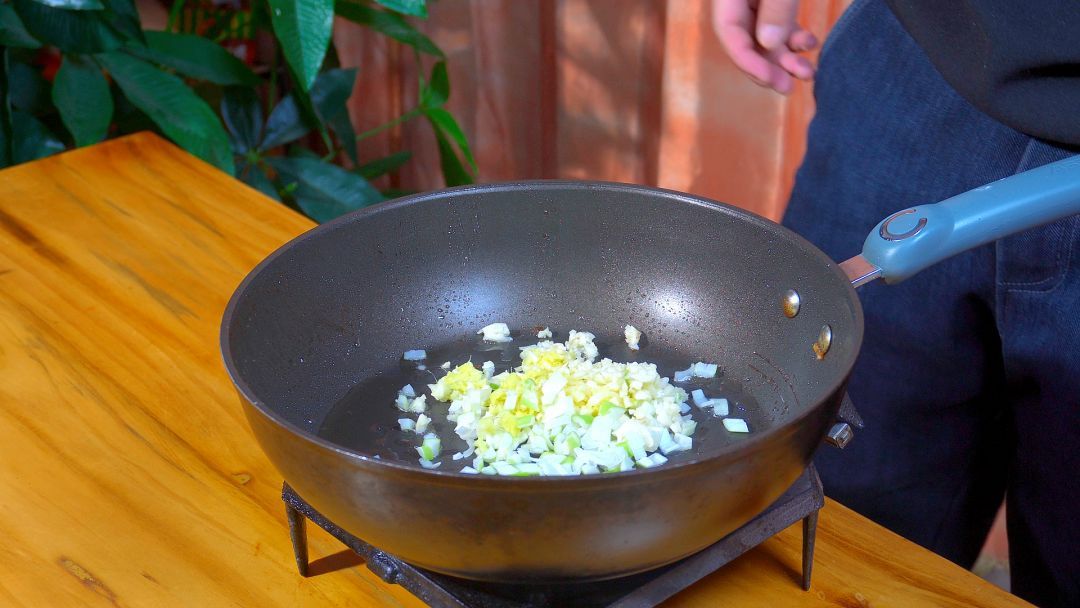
column 633, row 336
column 418, row 405
column 544, row 334
column 581, row 344
column 496, row 332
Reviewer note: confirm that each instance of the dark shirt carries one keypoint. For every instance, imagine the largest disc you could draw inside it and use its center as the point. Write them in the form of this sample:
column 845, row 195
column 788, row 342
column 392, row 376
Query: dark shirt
column 1016, row 60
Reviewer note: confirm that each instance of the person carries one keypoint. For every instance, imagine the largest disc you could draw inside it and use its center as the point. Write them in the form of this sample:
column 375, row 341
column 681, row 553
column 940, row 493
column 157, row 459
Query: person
column 969, row 378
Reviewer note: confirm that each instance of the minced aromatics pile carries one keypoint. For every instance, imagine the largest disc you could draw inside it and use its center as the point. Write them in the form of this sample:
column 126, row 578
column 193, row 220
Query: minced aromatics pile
column 561, row 412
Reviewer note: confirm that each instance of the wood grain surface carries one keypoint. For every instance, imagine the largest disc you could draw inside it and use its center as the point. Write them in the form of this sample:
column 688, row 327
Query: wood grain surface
column 128, row 476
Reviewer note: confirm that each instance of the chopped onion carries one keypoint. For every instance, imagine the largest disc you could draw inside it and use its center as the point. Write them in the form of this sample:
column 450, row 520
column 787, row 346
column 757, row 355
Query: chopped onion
column 684, row 408
column 445, row 365
column 427, row 464
column 496, row 332
column 633, row 336
column 698, row 396
column 422, row 422
column 684, row 442
column 719, row 406
column 431, row 447
column 469, row 470
column 736, row 425
column 544, row 334
column 488, row 368
column 415, row 355
column 406, row 424
column 683, row 375
column 408, row 391
column 705, row 370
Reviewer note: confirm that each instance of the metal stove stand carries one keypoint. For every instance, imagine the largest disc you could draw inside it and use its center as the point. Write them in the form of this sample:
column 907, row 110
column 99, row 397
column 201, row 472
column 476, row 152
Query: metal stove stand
column 801, row 501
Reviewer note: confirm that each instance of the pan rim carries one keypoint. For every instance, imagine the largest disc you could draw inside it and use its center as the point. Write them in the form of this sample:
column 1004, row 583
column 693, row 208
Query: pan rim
column 734, row 451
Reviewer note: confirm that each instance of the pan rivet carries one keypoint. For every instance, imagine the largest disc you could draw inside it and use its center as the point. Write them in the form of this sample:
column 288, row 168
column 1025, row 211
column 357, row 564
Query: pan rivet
column 790, row 302
column 824, row 341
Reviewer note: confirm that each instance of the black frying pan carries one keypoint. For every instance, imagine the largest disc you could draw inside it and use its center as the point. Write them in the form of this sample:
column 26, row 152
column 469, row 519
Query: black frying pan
column 313, row 339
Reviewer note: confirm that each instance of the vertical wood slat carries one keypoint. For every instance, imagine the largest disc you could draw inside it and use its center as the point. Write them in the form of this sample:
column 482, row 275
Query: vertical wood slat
column 548, row 92
column 649, row 99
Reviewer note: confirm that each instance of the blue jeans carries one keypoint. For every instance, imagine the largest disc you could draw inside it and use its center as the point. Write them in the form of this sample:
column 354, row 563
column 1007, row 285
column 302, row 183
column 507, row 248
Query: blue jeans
column 969, row 378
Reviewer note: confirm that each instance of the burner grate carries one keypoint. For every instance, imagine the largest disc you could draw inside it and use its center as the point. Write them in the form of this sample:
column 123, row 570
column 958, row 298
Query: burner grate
column 800, row 502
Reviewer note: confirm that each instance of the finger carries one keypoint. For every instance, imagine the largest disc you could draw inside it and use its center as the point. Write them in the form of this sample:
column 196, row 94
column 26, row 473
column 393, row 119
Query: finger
column 775, row 22
column 781, row 81
column 732, row 21
column 740, row 47
column 797, row 66
column 730, row 13
column 802, row 40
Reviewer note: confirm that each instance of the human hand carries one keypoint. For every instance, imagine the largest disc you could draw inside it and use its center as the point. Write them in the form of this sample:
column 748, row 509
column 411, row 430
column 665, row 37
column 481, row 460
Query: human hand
column 763, row 39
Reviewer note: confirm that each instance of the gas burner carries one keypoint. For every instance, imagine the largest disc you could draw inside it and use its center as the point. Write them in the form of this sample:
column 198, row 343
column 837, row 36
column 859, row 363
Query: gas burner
column 801, row 501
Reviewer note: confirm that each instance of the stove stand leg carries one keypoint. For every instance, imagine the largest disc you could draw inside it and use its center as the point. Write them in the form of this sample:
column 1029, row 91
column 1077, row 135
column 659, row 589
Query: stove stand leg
column 298, row 534
column 809, row 531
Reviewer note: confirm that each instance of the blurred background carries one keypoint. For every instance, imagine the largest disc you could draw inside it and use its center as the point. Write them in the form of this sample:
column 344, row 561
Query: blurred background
column 624, row 90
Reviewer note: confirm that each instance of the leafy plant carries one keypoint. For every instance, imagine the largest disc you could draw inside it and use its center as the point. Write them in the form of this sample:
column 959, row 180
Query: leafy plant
column 74, row 72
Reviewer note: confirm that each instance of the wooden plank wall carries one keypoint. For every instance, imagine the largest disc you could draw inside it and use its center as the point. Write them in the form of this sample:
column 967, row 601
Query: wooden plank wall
column 624, row 90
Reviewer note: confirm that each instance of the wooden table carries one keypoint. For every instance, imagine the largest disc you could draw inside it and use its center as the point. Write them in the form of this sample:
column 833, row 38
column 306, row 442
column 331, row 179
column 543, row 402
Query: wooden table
column 128, row 476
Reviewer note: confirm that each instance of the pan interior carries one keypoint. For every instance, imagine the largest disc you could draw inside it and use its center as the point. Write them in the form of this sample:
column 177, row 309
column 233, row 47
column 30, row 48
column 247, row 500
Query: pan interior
column 318, row 330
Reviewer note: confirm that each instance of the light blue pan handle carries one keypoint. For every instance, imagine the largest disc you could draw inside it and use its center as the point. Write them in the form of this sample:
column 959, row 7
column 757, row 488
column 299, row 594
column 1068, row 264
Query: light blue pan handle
column 910, row 240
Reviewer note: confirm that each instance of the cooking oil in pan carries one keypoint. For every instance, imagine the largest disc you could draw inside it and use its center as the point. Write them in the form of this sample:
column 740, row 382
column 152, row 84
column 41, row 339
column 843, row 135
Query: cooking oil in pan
column 365, row 419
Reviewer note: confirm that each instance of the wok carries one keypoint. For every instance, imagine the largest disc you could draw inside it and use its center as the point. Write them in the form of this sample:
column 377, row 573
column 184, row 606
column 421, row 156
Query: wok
column 313, row 339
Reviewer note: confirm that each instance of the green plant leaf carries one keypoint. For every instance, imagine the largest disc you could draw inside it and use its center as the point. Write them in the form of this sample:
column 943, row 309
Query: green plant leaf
column 70, row 31
column 123, row 16
column 127, row 118
column 254, row 176
column 325, row 191
column 28, row 90
column 299, row 151
column 389, row 24
column 74, row 5
column 81, row 94
column 454, row 173
column 196, row 57
column 303, row 29
column 242, row 113
column 435, row 92
column 329, row 95
column 284, row 125
column 12, row 31
column 309, row 115
column 175, row 108
column 30, row 139
column 443, row 121
column 384, row 165
column 417, row 8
